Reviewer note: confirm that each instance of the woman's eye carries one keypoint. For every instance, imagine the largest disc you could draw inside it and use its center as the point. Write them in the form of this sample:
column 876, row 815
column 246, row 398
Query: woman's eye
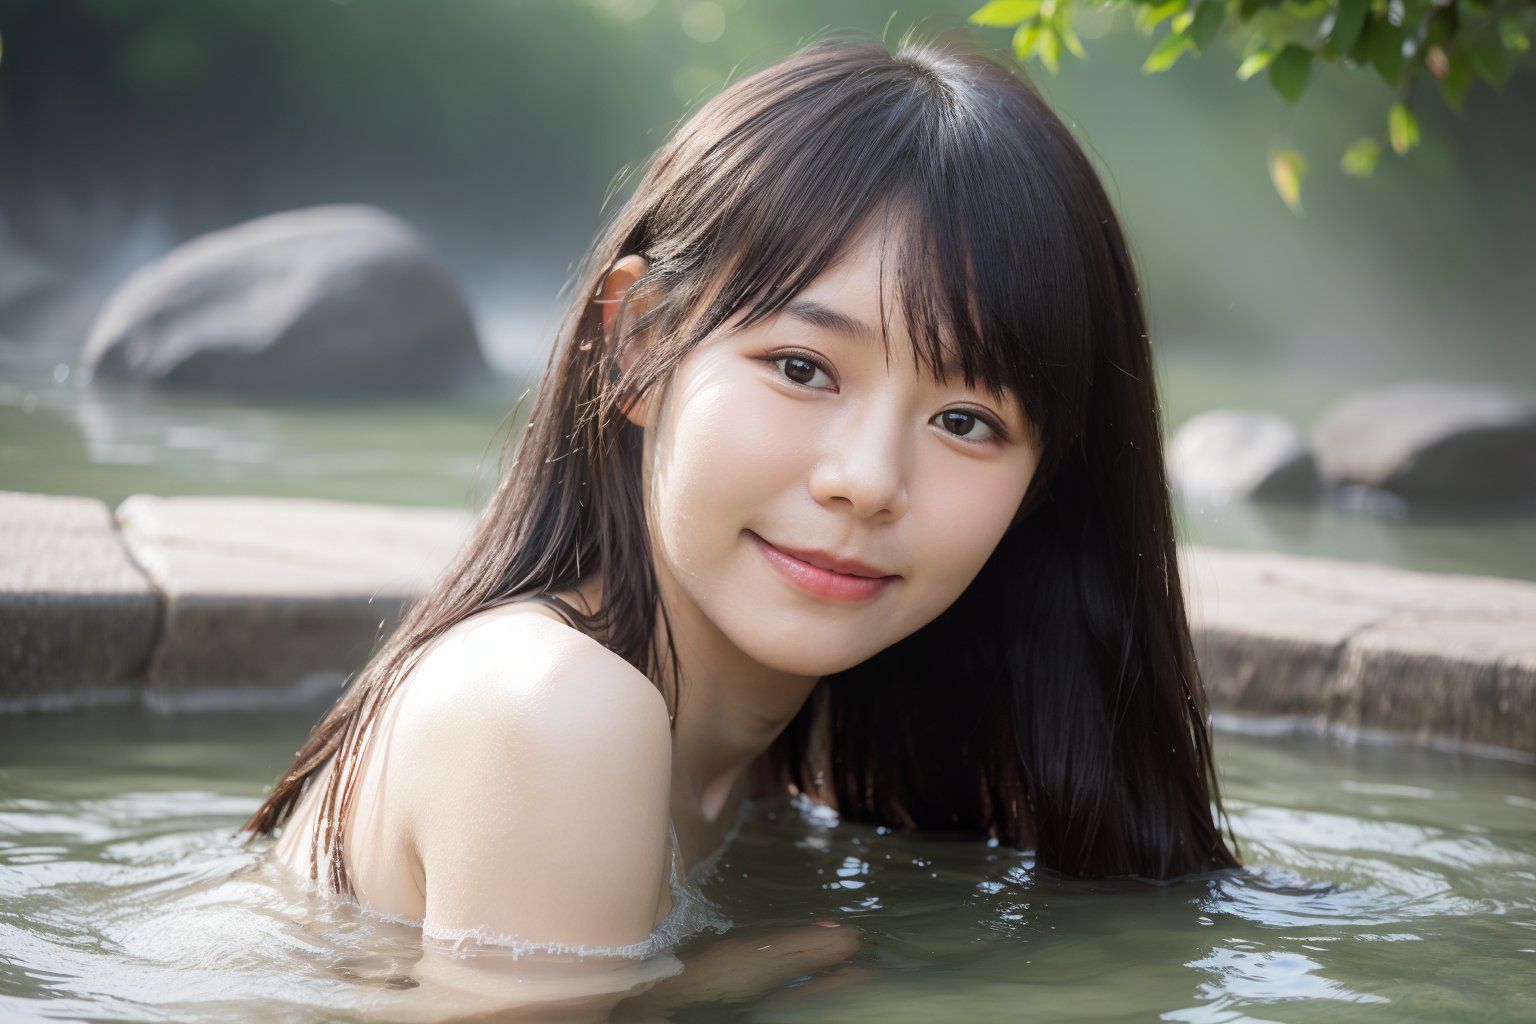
column 965, row 425
column 802, row 371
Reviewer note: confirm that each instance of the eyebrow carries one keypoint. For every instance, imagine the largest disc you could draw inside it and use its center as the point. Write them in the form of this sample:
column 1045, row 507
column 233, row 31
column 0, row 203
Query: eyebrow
column 819, row 315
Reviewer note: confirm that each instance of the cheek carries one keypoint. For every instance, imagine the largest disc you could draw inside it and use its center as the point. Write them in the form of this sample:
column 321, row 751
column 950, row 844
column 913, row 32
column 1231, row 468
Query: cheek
column 723, row 451
column 968, row 510
column 729, row 445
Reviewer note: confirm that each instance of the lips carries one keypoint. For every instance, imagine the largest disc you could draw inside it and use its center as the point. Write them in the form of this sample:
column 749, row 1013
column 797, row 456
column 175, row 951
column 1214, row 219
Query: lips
column 825, row 574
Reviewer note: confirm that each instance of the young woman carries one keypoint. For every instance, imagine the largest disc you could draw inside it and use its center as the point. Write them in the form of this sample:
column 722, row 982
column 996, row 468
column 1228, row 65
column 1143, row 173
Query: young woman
column 845, row 479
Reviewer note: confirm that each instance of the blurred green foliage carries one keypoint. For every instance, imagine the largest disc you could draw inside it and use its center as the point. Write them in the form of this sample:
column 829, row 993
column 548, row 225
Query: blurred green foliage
column 276, row 86
column 207, row 112
column 498, row 127
column 1454, row 41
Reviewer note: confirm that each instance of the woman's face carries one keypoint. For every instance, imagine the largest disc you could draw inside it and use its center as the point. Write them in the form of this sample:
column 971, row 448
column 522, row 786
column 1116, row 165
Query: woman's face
column 815, row 501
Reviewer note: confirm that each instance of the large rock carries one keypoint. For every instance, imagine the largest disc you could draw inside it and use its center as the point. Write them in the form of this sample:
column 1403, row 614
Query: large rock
column 265, row 593
column 1227, row 454
column 1424, row 440
column 334, row 300
column 77, row 617
column 1437, row 656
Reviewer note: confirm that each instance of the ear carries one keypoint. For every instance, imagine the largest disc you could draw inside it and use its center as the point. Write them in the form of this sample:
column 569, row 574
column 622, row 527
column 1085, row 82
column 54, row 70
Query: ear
column 610, row 298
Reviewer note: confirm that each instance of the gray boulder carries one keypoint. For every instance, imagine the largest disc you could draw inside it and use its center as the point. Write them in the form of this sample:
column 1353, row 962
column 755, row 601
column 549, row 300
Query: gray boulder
column 1426, row 440
column 1227, row 454
column 328, row 301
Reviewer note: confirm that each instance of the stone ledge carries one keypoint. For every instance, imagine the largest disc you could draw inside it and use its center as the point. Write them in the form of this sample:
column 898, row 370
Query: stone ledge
column 260, row 592
column 253, row 595
column 77, row 618
column 1440, row 657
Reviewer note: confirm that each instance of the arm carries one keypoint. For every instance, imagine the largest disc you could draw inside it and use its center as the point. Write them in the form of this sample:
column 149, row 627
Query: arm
column 533, row 768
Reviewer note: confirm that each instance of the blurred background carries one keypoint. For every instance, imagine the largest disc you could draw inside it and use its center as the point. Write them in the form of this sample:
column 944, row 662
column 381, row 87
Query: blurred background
column 498, row 129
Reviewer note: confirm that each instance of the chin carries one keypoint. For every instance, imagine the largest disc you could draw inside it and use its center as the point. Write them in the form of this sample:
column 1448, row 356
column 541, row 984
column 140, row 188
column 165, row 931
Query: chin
column 814, row 652
column 815, row 667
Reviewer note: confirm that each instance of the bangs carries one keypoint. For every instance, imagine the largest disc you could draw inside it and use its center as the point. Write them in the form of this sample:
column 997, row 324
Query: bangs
column 950, row 163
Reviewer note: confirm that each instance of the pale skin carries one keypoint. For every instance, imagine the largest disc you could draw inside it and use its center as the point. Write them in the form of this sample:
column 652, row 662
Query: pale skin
column 520, row 782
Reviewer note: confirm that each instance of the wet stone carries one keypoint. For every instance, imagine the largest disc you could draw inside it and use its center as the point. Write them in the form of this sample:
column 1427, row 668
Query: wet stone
column 77, row 617
column 1236, row 454
column 1436, row 442
column 1437, row 656
column 327, row 301
column 270, row 594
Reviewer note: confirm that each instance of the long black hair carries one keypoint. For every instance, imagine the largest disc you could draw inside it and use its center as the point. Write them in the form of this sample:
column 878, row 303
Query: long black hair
column 1057, row 703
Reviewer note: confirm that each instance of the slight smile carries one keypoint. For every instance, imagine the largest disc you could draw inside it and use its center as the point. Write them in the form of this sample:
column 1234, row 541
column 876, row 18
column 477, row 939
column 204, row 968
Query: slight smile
column 825, row 575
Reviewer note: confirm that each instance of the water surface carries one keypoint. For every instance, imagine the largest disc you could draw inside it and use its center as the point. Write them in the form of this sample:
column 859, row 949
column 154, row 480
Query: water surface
column 1383, row 883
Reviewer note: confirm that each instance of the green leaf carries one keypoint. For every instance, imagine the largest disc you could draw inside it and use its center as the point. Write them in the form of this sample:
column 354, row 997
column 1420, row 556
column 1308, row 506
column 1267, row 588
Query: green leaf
column 1289, row 70
column 1360, row 53
column 1441, row 28
column 1208, row 18
column 1458, row 78
column 1049, row 48
column 1005, row 13
column 1166, row 53
column 1490, row 59
column 1347, row 26
column 1286, row 169
column 1402, row 129
column 1248, row 8
column 1385, row 48
column 1254, row 64
column 1025, row 39
column 1513, row 36
column 1069, row 38
column 1359, row 160
column 1164, row 10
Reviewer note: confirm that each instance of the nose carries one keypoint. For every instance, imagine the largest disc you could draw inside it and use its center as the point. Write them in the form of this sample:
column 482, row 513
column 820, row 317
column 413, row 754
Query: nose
column 862, row 465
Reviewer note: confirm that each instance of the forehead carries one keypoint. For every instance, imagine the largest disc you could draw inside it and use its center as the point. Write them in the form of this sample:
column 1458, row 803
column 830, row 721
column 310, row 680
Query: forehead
column 860, row 282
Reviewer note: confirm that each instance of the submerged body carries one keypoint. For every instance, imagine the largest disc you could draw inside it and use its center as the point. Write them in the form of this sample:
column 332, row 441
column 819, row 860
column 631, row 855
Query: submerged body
column 518, row 749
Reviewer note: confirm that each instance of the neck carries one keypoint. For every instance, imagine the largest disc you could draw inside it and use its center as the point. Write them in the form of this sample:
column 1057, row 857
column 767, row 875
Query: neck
column 730, row 708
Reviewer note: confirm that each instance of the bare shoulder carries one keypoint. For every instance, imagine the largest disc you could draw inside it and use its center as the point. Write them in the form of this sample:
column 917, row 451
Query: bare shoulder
column 515, row 687
column 509, row 664
column 534, row 769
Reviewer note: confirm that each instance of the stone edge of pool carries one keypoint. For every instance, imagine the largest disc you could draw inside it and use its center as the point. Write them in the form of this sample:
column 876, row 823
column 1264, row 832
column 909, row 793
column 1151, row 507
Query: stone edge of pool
column 188, row 603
